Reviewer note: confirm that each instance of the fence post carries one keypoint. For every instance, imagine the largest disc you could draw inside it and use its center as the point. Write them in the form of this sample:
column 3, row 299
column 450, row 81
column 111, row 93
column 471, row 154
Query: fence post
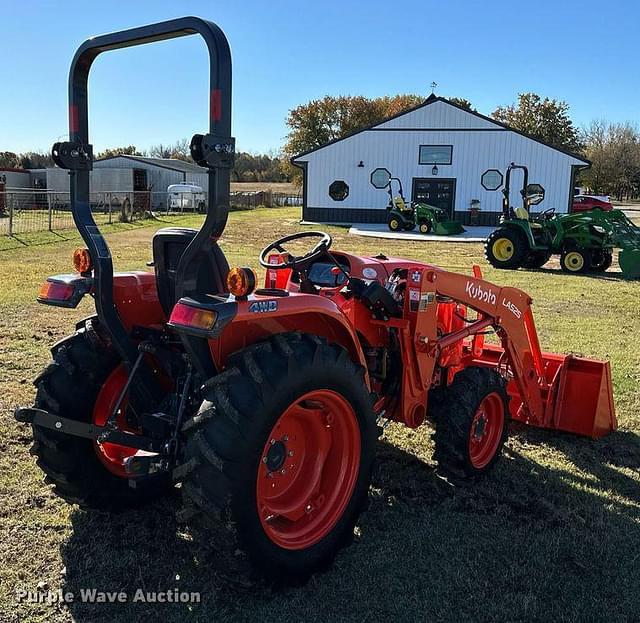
column 10, row 217
column 50, row 215
column 109, row 208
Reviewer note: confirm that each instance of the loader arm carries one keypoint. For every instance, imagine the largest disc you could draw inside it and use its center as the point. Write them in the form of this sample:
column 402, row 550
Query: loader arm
column 561, row 392
column 508, row 311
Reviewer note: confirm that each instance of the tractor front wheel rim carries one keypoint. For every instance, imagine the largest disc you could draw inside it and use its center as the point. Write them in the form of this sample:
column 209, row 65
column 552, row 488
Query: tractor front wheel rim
column 486, row 430
column 308, row 469
column 503, row 249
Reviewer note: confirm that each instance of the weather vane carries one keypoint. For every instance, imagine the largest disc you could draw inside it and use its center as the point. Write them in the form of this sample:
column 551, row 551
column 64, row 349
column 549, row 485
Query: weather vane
column 433, row 87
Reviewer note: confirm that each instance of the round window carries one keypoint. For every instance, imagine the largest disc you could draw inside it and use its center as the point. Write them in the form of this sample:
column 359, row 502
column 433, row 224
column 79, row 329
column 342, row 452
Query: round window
column 338, row 190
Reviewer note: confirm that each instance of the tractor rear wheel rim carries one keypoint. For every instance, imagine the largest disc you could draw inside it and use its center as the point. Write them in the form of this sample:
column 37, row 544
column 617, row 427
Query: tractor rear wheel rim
column 574, row 260
column 486, row 430
column 112, row 455
column 503, row 249
column 308, row 469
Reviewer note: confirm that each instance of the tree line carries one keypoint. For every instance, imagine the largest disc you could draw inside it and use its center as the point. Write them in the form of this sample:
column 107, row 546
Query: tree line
column 612, row 148
column 248, row 167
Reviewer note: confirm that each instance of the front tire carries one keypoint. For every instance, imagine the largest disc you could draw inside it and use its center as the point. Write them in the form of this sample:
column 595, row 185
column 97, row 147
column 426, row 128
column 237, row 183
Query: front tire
column 471, row 419
column 281, row 450
column 425, row 227
column 506, row 248
column 601, row 260
column 394, row 223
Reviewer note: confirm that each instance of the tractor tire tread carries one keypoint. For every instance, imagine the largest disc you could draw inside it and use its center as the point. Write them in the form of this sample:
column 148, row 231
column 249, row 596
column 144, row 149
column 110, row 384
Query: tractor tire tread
column 233, row 431
column 452, row 410
column 69, row 387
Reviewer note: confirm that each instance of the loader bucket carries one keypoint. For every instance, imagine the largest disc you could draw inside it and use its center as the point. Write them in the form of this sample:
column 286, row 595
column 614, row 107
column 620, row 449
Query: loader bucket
column 580, row 395
column 584, row 402
column 447, row 228
column 630, row 263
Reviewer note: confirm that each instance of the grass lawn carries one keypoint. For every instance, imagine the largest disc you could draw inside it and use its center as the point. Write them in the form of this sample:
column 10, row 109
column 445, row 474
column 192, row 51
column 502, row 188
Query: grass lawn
column 553, row 534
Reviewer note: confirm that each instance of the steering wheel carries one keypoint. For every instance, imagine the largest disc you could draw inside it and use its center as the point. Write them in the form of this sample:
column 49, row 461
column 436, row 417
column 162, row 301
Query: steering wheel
column 293, row 262
column 548, row 213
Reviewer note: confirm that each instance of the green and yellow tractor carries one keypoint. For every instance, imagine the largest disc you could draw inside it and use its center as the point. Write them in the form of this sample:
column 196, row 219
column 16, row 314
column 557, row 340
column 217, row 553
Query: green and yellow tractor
column 403, row 215
column 585, row 240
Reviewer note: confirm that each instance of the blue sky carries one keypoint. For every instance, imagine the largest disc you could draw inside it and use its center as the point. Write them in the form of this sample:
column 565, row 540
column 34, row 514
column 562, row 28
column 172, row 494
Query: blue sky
column 286, row 53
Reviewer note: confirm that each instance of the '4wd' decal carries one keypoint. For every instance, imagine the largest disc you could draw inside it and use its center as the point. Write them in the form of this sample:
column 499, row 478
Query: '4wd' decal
column 260, row 307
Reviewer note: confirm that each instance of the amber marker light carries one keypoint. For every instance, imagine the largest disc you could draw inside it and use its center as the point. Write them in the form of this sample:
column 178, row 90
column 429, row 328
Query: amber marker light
column 241, row 281
column 82, row 261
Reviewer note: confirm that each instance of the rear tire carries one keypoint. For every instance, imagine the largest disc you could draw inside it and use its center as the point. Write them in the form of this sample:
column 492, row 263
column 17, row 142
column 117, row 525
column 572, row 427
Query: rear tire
column 241, row 435
column 69, row 387
column 471, row 419
column 506, row 248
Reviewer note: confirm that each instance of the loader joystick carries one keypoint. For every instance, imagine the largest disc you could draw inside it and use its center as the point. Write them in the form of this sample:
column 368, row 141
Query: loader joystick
column 294, row 262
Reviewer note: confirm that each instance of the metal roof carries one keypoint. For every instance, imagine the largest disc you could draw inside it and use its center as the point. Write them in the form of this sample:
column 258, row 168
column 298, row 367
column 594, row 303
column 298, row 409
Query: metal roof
column 430, row 100
column 165, row 163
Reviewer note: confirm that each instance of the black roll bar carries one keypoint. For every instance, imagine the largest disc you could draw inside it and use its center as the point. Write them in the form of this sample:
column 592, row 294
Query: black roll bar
column 219, row 174
column 507, row 188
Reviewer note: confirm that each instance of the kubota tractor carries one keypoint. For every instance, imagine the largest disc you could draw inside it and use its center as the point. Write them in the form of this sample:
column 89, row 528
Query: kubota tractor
column 264, row 403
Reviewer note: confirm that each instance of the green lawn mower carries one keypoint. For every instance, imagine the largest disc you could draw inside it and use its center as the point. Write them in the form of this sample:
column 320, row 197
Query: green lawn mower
column 584, row 241
column 403, row 215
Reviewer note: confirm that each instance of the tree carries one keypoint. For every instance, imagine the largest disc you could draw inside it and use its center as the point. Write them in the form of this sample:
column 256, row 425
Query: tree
column 318, row 122
column 545, row 119
column 258, row 168
column 35, row 160
column 178, row 150
column 614, row 151
column 9, row 160
column 463, row 102
column 130, row 150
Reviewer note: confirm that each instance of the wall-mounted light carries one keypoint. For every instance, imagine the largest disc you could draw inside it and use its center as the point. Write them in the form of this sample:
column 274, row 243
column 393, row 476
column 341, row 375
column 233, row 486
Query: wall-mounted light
column 361, row 164
column 434, row 171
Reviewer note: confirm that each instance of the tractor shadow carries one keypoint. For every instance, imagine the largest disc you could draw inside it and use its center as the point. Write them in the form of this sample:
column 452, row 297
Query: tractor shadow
column 443, row 541
column 609, row 275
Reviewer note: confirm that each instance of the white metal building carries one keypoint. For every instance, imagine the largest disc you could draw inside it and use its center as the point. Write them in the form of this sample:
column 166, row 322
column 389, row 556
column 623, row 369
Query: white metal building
column 440, row 152
column 159, row 173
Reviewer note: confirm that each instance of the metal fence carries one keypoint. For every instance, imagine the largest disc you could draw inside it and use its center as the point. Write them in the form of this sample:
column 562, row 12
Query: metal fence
column 29, row 211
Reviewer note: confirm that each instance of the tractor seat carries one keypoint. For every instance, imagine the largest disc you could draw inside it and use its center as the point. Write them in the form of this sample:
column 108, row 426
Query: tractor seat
column 399, row 203
column 169, row 244
column 522, row 214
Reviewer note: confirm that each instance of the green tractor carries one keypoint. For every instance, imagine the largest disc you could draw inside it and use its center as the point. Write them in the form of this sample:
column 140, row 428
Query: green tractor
column 584, row 241
column 405, row 215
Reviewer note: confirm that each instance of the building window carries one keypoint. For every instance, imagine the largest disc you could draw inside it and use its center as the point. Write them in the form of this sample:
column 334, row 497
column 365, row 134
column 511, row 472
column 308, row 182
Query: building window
column 338, row 190
column 491, row 179
column 435, row 154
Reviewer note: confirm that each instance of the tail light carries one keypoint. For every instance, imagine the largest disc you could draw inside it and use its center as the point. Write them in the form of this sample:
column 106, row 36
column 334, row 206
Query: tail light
column 193, row 319
column 64, row 290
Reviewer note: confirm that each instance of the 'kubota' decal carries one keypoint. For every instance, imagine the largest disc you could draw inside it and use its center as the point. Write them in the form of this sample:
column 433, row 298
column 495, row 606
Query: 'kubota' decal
column 476, row 291
column 260, row 307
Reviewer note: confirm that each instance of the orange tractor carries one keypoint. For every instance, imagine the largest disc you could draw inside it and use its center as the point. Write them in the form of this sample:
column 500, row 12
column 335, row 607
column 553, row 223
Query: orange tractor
column 264, row 404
